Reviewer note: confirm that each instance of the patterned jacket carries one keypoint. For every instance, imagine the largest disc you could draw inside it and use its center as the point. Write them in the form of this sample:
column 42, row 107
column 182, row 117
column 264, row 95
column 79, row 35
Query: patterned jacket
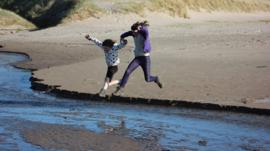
column 111, row 56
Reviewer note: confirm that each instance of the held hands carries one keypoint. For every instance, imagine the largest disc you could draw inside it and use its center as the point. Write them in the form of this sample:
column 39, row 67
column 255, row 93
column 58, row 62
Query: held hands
column 88, row 37
column 124, row 41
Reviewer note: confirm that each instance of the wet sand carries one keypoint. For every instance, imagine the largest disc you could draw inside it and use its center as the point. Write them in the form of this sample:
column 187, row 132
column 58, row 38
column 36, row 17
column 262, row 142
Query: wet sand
column 47, row 122
column 52, row 136
column 219, row 59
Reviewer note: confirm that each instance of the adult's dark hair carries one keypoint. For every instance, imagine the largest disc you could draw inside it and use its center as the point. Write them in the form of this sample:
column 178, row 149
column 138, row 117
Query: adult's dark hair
column 108, row 43
column 135, row 26
column 144, row 23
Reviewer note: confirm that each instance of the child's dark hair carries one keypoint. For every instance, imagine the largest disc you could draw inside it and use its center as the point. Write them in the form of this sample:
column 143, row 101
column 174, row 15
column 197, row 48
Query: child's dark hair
column 108, row 43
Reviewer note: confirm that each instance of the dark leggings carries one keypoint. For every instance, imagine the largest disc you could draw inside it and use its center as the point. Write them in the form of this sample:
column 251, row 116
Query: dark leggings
column 145, row 63
column 110, row 72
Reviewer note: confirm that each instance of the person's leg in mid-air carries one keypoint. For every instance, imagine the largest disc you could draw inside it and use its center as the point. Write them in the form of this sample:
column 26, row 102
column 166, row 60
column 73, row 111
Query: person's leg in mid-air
column 146, row 66
column 131, row 67
column 108, row 80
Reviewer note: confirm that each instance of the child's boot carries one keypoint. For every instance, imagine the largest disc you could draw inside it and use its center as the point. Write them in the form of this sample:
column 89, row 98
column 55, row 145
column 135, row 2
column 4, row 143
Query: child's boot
column 102, row 93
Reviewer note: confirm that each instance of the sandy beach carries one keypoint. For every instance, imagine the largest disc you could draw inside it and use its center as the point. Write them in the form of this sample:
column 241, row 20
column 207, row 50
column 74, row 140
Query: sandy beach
column 217, row 58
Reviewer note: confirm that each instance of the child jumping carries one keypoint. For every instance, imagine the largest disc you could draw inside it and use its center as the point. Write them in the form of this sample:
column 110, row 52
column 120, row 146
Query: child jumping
column 110, row 48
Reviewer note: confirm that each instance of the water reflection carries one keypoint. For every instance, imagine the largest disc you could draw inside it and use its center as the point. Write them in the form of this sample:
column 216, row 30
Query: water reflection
column 173, row 128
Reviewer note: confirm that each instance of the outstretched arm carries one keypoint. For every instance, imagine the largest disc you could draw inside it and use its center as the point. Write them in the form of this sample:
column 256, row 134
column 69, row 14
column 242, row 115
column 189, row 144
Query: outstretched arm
column 126, row 34
column 95, row 40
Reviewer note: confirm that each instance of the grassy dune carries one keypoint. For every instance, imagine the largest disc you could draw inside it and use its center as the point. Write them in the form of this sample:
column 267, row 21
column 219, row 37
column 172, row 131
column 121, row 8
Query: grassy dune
column 46, row 13
column 180, row 7
column 8, row 18
column 84, row 9
column 129, row 7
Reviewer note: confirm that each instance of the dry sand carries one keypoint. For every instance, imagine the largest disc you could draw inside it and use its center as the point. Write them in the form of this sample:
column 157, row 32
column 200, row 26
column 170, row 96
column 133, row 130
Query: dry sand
column 217, row 58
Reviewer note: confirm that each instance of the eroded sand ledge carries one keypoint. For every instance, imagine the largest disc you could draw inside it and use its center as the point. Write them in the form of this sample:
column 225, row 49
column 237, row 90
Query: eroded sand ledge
column 211, row 63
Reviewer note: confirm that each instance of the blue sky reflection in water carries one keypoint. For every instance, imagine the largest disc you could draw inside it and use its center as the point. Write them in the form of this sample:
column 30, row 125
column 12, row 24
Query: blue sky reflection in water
column 173, row 128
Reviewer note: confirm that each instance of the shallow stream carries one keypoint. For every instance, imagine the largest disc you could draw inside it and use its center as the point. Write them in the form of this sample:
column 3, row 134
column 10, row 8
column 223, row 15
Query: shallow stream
column 172, row 128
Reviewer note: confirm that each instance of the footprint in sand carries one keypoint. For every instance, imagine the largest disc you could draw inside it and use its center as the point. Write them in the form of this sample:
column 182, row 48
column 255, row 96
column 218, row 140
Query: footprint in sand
column 261, row 66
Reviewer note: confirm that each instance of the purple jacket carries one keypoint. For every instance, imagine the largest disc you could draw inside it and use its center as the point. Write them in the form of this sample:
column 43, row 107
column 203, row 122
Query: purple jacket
column 145, row 33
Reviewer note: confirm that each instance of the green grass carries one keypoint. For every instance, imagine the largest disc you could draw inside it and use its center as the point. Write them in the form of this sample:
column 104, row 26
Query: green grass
column 173, row 7
column 8, row 18
column 180, row 7
column 130, row 7
column 84, row 9
column 46, row 13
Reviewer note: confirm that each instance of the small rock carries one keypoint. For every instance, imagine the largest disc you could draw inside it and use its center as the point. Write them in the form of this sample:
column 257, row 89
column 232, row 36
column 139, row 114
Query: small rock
column 202, row 142
column 247, row 100
column 261, row 66
column 109, row 130
column 244, row 101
